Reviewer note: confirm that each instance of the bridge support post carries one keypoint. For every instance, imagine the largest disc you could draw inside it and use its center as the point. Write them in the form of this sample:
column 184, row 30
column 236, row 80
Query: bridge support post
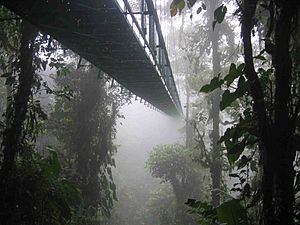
column 152, row 34
column 143, row 10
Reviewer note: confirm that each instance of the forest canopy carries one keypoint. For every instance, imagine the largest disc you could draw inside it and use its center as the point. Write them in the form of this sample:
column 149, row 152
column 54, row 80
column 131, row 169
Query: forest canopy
column 237, row 65
column 266, row 85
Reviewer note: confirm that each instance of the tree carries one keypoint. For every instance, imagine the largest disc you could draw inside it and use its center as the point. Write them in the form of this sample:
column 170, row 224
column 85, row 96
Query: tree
column 276, row 127
column 85, row 128
column 273, row 89
column 173, row 164
column 160, row 208
column 12, row 137
column 32, row 188
column 204, row 45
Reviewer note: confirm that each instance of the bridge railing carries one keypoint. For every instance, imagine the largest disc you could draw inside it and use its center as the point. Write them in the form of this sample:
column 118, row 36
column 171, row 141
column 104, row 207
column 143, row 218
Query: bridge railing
column 143, row 18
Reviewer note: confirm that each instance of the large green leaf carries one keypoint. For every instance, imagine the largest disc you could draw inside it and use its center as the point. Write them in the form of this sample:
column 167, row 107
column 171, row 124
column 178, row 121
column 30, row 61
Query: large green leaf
column 232, row 213
column 173, row 9
column 177, row 6
column 181, row 6
column 243, row 161
column 214, row 84
column 229, row 213
column 227, row 99
column 234, row 150
column 234, row 72
column 203, row 208
column 191, row 3
column 219, row 15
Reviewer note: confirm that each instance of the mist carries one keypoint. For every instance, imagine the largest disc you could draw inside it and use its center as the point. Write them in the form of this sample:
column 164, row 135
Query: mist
column 138, row 133
column 149, row 112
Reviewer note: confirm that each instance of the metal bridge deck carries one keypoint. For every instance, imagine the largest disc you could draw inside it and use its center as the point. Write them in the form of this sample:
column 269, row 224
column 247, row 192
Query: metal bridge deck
column 100, row 32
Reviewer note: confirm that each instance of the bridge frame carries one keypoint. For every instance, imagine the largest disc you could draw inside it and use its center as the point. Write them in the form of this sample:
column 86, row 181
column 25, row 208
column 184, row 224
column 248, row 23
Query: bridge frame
column 112, row 38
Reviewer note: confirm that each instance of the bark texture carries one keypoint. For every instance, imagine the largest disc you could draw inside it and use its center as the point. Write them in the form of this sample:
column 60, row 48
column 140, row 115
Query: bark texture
column 275, row 130
column 13, row 135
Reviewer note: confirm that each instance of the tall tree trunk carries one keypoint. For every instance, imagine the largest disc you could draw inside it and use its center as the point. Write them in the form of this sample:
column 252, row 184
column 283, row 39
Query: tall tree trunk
column 188, row 126
column 215, row 169
column 13, row 134
column 278, row 157
column 260, row 110
column 285, row 155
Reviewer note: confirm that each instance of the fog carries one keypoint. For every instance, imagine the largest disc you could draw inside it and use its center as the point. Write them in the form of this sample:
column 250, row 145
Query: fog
column 138, row 133
column 140, row 130
column 77, row 148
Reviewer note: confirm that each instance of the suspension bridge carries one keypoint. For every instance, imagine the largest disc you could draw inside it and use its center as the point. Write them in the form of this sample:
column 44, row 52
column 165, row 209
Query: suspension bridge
column 126, row 44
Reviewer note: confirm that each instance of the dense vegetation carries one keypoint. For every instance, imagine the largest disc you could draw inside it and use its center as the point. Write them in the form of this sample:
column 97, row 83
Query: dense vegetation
column 56, row 131
column 239, row 63
column 262, row 96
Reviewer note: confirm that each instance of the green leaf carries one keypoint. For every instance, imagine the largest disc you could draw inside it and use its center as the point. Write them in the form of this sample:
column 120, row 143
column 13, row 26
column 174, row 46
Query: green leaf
column 227, row 99
column 234, row 72
column 173, row 9
column 202, row 208
column 242, row 87
column 243, row 161
column 191, row 3
column 234, row 151
column 229, row 213
column 181, row 6
column 227, row 135
column 219, row 15
column 214, row 84
column 232, row 213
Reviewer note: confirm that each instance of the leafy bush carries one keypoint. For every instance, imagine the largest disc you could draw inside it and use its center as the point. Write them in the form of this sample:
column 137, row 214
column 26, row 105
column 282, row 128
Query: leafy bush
column 38, row 194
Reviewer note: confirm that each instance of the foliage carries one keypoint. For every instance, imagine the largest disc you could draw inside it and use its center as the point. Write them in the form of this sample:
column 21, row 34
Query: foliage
column 236, row 73
column 230, row 212
column 39, row 193
column 160, row 208
column 268, row 91
column 177, row 6
column 85, row 127
column 173, row 163
column 264, row 93
column 34, row 188
column 244, row 133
